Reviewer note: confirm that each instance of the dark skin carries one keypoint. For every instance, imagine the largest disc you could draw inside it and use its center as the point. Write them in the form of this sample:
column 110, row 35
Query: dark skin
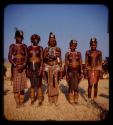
column 93, row 61
column 73, row 59
column 53, row 61
column 73, row 64
column 35, row 53
column 18, row 54
column 18, row 40
column 52, row 42
column 93, row 57
column 35, row 67
column 18, row 58
column 51, row 58
column 73, row 46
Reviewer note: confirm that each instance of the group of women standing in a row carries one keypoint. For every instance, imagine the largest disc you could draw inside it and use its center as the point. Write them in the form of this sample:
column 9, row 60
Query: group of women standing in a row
column 36, row 63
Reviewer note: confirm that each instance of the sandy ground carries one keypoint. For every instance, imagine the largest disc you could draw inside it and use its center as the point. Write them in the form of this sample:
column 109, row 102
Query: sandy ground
column 83, row 111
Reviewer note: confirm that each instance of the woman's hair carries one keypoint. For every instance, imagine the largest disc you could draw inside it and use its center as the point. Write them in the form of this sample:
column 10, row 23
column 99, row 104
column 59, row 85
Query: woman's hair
column 51, row 35
column 19, row 33
column 35, row 36
column 93, row 40
column 73, row 42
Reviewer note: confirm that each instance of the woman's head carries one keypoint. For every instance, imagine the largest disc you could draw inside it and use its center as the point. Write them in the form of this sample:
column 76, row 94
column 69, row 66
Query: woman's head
column 19, row 36
column 35, row 39
column 52, row 40
column 73, row 45
column 93, row 43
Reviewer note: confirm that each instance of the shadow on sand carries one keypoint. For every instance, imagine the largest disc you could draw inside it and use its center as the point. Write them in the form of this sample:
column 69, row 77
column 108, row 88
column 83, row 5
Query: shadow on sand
column 27, row 92
column 26, row 95
column 44, row 88
column 64, row 90
column 82, row 92
column 103, row 95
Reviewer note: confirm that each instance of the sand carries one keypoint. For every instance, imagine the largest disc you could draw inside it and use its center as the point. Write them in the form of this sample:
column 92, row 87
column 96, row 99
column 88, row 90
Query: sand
column 83, row 111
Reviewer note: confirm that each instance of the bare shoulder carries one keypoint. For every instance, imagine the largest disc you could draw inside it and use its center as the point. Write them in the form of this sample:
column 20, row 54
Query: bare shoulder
column 67, row 53
column 99, row 51
column 41, row 48
column 12, row 45
column 46, row 49
column 29, row 47
column 25, row 45
column 79, row 53
column 87, row 51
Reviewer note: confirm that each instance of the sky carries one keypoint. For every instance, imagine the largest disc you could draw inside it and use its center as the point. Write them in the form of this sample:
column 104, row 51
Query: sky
column 80, row 22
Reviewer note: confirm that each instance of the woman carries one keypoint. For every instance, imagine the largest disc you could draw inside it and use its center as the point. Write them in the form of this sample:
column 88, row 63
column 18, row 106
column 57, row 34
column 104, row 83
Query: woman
column 73, row 64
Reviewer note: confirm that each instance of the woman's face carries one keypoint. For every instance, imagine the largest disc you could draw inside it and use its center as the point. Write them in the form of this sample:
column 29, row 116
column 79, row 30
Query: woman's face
column 35, row 42
column 18, row 39
column 73, row 47
column 93, row 46
column 52, row 42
